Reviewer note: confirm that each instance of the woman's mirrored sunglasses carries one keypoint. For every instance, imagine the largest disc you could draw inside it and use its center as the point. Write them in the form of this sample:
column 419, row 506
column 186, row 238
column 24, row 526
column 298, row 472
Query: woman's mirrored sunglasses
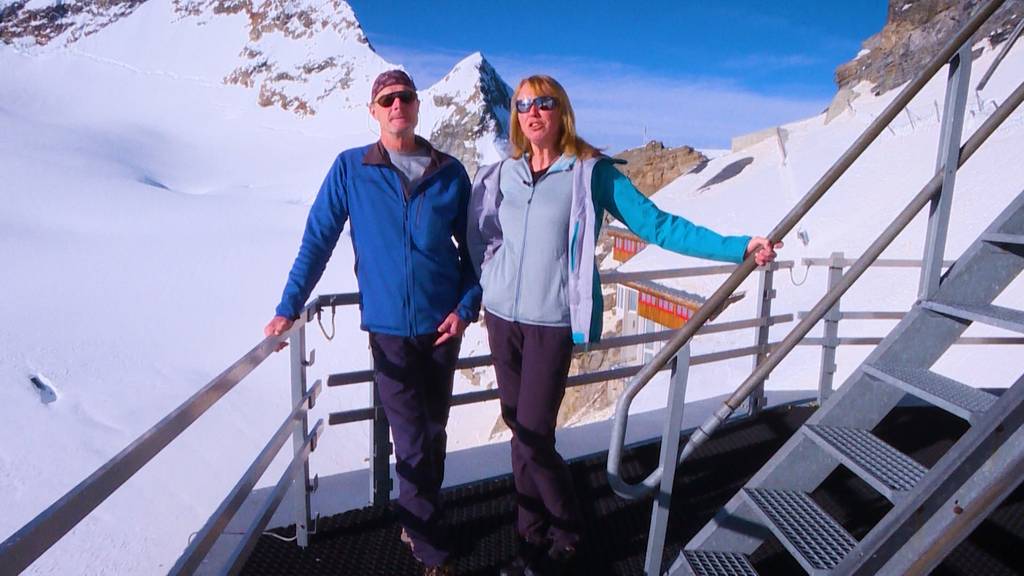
column 523, row 105
column 406, row 96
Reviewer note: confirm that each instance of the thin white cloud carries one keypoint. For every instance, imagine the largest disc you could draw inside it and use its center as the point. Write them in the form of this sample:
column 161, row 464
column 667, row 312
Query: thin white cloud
column 772, row 62
column 618, row 105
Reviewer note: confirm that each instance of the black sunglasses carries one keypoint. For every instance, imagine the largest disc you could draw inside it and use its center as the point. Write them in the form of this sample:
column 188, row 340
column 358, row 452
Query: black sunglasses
column 406, row 96
column 545, row 103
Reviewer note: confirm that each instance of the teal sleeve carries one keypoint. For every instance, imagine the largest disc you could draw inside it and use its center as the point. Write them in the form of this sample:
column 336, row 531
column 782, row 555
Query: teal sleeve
column 614, row 192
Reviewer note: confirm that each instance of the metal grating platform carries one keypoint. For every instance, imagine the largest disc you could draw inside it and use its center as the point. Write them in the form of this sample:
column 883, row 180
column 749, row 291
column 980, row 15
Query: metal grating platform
column 863, row 451
column 1002, row 238
column 946, row 393
column 718, row 563
column 821, row 541
column 999, row 316
column 365, row 542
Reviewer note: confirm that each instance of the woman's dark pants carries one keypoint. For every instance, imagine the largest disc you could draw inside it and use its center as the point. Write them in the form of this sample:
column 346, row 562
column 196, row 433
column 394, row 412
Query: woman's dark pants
column 532, row 364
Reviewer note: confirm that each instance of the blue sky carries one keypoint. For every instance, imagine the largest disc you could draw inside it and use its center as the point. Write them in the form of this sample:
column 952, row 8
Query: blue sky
column 683, row 72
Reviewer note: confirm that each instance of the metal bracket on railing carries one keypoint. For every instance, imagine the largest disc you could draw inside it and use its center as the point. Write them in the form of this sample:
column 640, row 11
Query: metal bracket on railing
column 314, row 484
column 317, row 386
column 312, row 359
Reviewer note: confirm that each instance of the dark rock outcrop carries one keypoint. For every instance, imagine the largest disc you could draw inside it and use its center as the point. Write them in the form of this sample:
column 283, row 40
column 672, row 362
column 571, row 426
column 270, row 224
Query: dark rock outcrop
column 72, row 19
column 652, row 166
column 915, row 30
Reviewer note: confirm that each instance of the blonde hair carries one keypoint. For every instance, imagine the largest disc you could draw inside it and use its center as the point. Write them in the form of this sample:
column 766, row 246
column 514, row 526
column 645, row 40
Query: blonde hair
column 569, row 142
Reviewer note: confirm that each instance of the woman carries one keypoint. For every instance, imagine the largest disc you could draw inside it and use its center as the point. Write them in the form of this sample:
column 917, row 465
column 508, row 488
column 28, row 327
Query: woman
column 533, row 225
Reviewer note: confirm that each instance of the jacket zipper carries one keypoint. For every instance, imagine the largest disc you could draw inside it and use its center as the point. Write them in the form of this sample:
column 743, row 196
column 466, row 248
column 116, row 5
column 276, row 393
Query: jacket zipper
column 522, row 249
column 407, row 237
column 522, row 252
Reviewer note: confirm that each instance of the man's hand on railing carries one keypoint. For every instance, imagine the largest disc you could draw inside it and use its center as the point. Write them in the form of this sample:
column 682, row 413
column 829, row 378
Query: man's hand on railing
column 762, row 250
column 279, row 325
column 451, row 327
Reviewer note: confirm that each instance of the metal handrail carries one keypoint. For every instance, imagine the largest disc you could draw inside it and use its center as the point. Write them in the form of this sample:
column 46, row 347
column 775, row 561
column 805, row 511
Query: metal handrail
column 664, row 356
column 364, row 376
column 23, row 547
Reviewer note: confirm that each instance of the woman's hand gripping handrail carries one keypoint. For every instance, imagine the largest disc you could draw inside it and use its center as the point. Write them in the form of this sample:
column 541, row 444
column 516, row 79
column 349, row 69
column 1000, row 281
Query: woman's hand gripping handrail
column 683, row 336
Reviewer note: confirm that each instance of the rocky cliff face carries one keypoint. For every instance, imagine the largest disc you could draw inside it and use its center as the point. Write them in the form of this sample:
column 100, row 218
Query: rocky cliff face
column 299, row 54
column 28, row 22
column 915, row 30
column 653, row 166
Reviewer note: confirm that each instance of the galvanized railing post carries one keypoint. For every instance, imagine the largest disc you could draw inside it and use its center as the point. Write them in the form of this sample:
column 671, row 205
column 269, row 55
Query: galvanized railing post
column 948, row 161
column 380, row 451
column 300, row 491
column 667, row 462
column 765, row 295
column 830, row 337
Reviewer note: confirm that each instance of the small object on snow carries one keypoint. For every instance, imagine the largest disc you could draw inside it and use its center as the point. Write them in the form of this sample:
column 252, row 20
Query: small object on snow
column 46, row 389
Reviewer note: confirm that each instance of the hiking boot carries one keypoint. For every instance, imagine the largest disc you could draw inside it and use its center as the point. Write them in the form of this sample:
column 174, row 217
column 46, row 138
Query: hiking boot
column 526, row 561
column 442, row 570
column 559, row 560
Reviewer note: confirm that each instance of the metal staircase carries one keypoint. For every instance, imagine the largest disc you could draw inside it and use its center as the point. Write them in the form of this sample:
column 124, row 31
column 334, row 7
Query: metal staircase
column 776, row 501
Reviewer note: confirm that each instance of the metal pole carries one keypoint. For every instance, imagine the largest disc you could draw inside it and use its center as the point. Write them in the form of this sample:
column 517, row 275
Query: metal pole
column 380, row 451
column 300, row 491
column 830, row 338
column 947, row 161
column 766, row 293
column 667, row 462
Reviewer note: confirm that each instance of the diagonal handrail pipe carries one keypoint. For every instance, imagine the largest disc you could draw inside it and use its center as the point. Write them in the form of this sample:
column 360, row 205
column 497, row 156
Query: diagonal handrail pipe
column 715, row 302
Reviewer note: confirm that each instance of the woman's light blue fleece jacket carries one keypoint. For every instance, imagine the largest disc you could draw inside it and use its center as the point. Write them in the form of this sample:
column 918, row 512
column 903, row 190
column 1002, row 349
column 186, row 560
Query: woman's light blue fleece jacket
column 533, row 244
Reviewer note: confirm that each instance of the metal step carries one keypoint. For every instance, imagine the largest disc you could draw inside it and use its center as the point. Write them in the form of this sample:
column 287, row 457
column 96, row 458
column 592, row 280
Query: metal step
column 814, row 539
column 1001, row 238
column 885, row 468
column 990, row 314
column 702, row 563
column 946, row 393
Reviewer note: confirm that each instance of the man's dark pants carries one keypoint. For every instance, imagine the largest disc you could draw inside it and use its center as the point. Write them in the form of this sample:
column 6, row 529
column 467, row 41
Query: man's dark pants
column 414, row 380
column 532, row 364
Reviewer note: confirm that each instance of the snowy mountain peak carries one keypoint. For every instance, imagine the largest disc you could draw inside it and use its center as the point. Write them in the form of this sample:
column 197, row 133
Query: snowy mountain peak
column 467, row 112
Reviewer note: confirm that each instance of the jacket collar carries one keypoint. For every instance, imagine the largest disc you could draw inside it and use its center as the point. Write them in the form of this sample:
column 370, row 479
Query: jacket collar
column 564, row 163
column 377, row 155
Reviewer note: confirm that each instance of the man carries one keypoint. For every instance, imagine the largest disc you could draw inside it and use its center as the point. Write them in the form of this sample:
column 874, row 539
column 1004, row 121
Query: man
column 405, row 201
